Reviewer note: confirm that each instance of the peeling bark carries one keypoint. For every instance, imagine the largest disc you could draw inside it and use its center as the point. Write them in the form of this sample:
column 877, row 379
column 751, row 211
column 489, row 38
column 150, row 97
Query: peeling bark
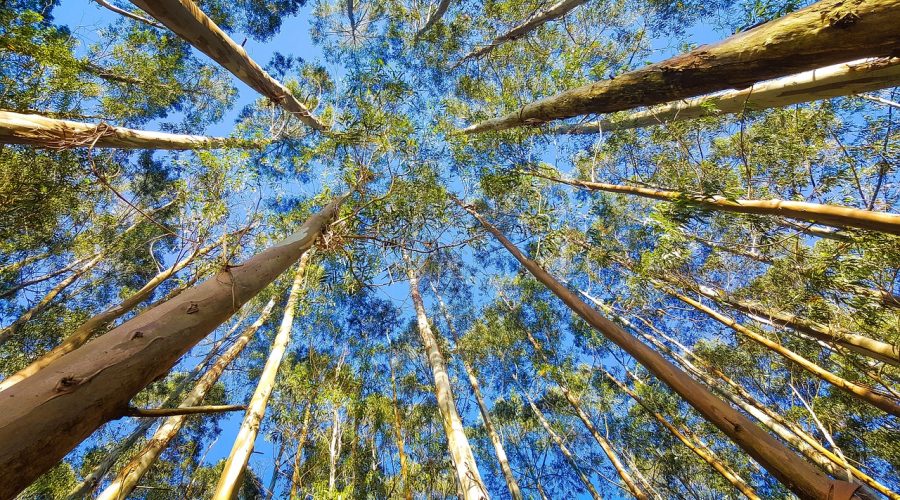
column 827, row 32
column 45, row 416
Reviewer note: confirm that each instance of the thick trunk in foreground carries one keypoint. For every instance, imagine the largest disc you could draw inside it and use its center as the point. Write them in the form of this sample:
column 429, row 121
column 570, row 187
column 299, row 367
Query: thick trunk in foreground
column 131, row 473
column 795, row 473
column 864, row 75
column 464, row 465
column 704, row 453
column 7, row 332
column 40, row 131
column 555, row 11
column 827, row 32
column 97, row 323
column 786, row 430
column 233, row 472
column 436, row 16
column 95, row 477
column 866, row 394
column 45, row 416
column 190, row 23
column 562, row 448
column 829, row 215
column 514, row 491
column 875, row 349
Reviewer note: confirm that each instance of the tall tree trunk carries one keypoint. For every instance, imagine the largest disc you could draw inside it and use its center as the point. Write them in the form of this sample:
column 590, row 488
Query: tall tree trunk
column 829, row 215
column 798, row 475
column 514, row 491
column 866, row 394
column 92, row 480
column 435, row 16
column 555, row 11
column 827, row 32
column 562, row 447
column 701, row 451
column 233, row 472
column 276, row 469
column 190, row 23
column 7, row 332
column 334, row 447
column 837, row 80
column 40, row 131
column 734, row 392
column 872, row 348
column 630, row 484
column 131, row 473
column 464, row 464
column 40, row 279
column 97, row 323
column 45, row 416
column 301, row 444
column 398, row 433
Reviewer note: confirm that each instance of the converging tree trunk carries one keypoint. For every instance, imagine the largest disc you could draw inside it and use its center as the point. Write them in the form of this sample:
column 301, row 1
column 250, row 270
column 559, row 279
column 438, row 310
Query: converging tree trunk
column 514, row 491
column 40, row 279
column 398, row 432
column 301, row 445
column 190, row 23
column 7, row 332
column 97, row 323
column 43, row 132
column 555, row 11
column 562, row 448
column 866, row 394
column 46, row 415
column 435, row 16
column 798, row 475
column 131, row 473
column 95, row 477
column 701, row 451
column 851, row 78
column 875, row 349
column 465, row 467
column 827, row 32
column 829, row 215
column 232, row 475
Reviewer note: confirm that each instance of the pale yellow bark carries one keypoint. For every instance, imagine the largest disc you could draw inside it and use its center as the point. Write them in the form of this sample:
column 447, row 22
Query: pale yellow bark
column 230, row 480
column 40, row 131
column 855, row 77
column 131, row 473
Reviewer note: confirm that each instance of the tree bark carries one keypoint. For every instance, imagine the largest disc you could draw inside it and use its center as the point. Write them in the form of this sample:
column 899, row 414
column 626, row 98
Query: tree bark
column 553, row 12
column 40, row 131
column 230, row 480
column 562, row 448
column 95, row 324
column 301, row 444
column 45, row 416
column 514, row 491
column 13, row 328
column 131, row 473
column 827, row 32
column 630, row 484
column 93, row 479
column 701, row 451
column 798, row 475
column 190, row 23
column 465, row 467
column 875, row 349
column 829, row 215
column 40, row 279
column 398, row 432
column 851, row 78
column 435, row 16
column 791, row 433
